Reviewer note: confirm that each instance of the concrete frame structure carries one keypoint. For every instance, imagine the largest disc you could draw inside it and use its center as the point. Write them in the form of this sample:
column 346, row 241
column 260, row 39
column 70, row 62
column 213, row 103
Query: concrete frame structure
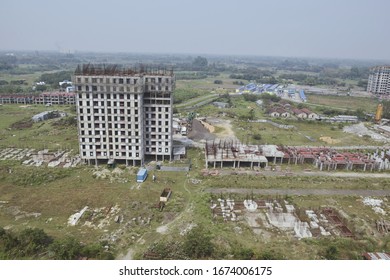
column 235, row 154
column 53, row 98
column 379, row 80
column 124, row 114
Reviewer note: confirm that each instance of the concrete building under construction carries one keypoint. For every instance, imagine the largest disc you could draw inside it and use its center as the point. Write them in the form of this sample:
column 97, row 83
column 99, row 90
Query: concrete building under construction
column 124, row 114
column 379, row 80
column 232, row 153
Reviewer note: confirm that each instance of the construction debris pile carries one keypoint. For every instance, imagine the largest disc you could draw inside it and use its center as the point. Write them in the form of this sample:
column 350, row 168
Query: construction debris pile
column 280, row 214
column 32, row 157
column 383, row 226
column 96, row 218
column 375, row 204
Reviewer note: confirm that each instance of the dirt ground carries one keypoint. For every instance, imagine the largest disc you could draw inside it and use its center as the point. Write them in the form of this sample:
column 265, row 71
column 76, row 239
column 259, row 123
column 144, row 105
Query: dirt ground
column 199, row 132
column 329, row 140
column 225, row 125
column 360, row 129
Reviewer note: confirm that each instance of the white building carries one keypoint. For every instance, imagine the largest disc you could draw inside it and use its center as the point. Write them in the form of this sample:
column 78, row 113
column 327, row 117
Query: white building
column 124, row 114
column 379, row 80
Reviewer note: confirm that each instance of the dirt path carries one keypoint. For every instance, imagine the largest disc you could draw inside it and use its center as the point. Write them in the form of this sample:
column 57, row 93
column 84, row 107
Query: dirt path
column 163, row 229
column 345, row 192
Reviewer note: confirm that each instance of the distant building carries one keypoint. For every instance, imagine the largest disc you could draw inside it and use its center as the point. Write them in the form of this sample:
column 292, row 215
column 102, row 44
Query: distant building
column 221, row 105
column 310, row 114
column 302, row 95
column 65, row 82
column 283, row 113
column 299, row 113
column 279, row 112
column 259, row 103
column 274, row 113
column 56, row 98
column 379, row 80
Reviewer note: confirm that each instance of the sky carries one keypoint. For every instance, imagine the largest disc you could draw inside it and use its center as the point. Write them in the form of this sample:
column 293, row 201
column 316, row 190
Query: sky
column 356, row 29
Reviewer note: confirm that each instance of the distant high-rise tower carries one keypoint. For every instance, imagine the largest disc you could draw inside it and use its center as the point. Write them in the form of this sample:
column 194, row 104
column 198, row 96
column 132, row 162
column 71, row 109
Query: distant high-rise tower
column 379, row 80
column 124, row 114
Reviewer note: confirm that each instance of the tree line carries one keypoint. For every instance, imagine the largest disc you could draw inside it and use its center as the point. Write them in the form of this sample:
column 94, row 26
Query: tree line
column 33, row 243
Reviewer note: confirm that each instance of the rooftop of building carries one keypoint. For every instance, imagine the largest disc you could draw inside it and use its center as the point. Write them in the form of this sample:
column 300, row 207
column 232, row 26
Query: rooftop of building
column 119, row 70
column 380, row 67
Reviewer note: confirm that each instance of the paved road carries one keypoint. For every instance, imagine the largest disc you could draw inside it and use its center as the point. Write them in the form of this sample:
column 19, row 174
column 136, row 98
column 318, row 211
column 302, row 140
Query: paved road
column 345, row 192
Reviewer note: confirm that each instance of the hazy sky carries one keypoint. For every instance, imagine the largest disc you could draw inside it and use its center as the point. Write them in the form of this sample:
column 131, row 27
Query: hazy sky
column 304, row 28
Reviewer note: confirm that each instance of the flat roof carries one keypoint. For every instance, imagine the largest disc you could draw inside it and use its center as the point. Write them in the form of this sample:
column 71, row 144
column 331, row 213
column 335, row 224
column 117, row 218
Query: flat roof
column 119, row 70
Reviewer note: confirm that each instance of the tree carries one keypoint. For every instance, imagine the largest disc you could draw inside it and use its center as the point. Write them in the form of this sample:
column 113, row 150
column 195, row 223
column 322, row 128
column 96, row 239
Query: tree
column 40, row 87
column 331, row 253
column 65, row 249
column 33, row 241
column 8, row 243
column 243, row 254
column 200, row 62
column 362, row 83
column 197, row 243
column 251, row 114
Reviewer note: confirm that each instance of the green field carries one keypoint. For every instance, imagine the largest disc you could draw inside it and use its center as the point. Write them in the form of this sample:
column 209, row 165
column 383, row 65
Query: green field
column 41, row 135
column 344, row 102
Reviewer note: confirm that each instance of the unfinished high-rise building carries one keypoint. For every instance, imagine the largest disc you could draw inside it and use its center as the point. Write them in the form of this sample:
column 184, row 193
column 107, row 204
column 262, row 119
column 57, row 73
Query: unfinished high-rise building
column 124, row 114
column 379, row 80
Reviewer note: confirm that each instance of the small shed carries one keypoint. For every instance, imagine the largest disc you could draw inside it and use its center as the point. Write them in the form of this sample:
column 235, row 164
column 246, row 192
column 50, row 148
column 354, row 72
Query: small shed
column 221, row 105
column 141, row 175
column 179, row 152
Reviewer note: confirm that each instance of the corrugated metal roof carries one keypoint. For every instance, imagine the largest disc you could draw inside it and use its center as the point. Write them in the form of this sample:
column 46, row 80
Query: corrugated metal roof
column 376, row 256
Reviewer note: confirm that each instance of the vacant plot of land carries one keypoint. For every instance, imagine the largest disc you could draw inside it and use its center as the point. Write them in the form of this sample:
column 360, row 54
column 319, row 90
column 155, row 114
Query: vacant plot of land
column 346, row 102
column 303, row 133
column 17, row 130
column 46, row 198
